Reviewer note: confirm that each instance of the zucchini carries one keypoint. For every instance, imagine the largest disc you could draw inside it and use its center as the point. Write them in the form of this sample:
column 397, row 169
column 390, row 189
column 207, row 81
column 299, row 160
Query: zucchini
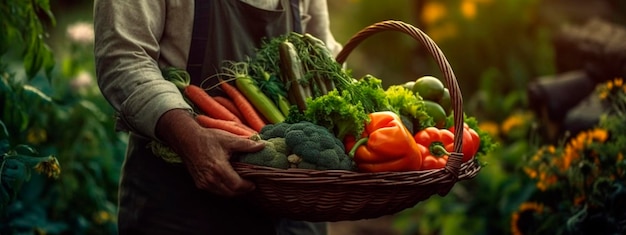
column 292, row 74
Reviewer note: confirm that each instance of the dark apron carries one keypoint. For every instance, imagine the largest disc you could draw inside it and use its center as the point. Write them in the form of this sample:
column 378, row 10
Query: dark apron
column 232, row 30
column 157, row 197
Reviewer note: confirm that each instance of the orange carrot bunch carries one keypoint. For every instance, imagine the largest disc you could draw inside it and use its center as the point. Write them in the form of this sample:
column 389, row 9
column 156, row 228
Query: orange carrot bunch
column 232, row 113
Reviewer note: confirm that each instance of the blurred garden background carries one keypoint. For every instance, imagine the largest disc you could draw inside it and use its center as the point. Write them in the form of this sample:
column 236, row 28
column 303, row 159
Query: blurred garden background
column 543, row 77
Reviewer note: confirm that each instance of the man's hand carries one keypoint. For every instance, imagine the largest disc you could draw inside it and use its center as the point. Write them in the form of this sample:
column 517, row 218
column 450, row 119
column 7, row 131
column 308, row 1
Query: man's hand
column 206, row 152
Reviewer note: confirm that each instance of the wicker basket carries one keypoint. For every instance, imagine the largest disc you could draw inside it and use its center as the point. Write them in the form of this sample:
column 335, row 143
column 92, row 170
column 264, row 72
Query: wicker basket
column 337, row 195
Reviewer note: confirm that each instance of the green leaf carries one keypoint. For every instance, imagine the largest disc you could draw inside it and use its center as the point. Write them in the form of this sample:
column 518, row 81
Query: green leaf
column 33, row 59
column 43, row 6
column 48, row 62
column 4, row 133
column 12, row 174
column 5, row 145
column 23, row 149
column 16, row 119
column 34, row 95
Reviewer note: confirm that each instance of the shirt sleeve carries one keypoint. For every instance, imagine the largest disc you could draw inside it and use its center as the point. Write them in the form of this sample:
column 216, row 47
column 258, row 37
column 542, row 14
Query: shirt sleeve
column 127, row 50
column 316, row 21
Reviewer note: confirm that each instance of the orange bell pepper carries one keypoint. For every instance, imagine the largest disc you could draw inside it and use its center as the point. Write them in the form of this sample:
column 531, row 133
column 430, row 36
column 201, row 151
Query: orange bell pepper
column 435, row 145
column 386, row 145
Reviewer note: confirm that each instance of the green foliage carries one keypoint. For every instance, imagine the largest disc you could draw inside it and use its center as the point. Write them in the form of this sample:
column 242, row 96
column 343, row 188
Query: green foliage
column 510, row 37
column 16, row 166
column 22, row 31
column 390, row 55
column 52, row 119
column 22, row 36
column 77, row 130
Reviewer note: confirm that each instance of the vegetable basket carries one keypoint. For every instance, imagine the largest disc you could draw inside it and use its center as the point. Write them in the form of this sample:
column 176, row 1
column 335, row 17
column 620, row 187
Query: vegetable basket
column 339, row 195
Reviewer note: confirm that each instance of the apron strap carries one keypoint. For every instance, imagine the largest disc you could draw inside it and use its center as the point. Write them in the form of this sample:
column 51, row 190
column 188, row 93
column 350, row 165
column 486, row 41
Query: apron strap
column 198, row 38
column 295, row 15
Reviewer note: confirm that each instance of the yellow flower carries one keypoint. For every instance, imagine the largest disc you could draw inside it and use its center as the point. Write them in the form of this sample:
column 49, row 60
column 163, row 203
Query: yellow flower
column 468, row 9
column 532, row 207
column 50, row 167
column 514, row 228
column 539, row 169
column 102, row 217
column 36, row 135
column 550, row 149
column 491, row 128
column 445, row 31
column 599, row 134
column 512, row 122
column 545, row 181
column 611, row 86
column 604, row 94
column 433, row 12
column 576, row 145
column 571, row 152
column 532, row 173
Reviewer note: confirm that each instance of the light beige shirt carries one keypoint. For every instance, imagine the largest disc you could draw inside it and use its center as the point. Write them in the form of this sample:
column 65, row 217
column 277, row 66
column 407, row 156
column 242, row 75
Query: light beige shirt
column 134, row 39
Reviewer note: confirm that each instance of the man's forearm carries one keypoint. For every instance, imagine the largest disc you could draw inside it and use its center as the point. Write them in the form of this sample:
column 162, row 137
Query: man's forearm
column 173, row 124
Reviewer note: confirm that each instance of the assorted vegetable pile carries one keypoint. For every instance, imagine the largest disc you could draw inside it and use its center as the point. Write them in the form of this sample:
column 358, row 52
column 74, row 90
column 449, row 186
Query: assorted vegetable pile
column 313, row 114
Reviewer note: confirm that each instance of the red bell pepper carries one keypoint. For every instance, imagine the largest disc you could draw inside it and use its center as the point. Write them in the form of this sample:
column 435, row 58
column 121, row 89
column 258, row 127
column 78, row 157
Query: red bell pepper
column 435, row 146
column 471, row 142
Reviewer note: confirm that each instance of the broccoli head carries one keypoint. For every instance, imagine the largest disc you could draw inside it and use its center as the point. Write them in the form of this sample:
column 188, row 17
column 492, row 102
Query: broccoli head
column 273, row 130
column 308, row 145
column 274, row 154
column 317, row 146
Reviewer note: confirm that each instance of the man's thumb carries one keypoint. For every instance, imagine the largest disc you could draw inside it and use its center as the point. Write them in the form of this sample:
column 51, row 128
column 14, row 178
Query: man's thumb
column 247, row 145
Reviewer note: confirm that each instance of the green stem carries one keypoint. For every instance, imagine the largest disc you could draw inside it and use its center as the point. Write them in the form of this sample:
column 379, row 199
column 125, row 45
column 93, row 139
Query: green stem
column 358, row 143
column 179, row 77
column 438, row 150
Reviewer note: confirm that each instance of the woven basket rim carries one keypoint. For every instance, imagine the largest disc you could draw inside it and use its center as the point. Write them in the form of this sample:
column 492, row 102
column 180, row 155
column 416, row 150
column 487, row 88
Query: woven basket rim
column 309, row 176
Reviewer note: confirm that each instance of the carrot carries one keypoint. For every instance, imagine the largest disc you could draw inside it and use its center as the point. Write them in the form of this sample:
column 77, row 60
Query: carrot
column 249, row 113
column 230, row 126
column 228, row 104
column 208, row 105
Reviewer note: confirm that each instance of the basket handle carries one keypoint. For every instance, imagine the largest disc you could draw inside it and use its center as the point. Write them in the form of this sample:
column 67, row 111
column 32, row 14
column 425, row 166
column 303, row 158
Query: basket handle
column 456, row 157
